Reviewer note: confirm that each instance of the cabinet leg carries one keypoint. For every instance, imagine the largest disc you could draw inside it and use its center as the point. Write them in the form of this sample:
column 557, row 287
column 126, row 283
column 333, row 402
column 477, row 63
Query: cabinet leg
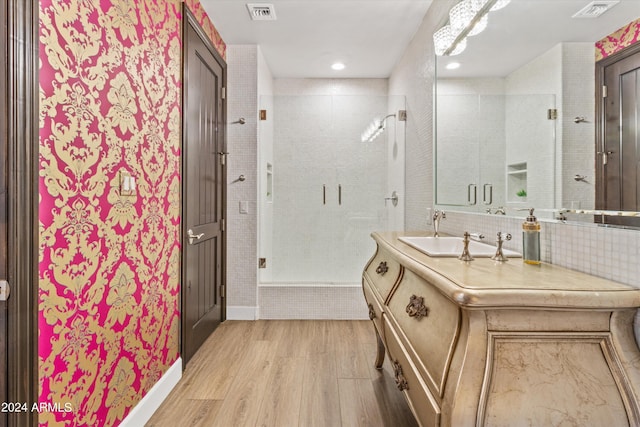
column 381, row 350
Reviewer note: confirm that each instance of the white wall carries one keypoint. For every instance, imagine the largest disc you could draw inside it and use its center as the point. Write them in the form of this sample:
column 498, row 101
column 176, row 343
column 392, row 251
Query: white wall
column 414, row 77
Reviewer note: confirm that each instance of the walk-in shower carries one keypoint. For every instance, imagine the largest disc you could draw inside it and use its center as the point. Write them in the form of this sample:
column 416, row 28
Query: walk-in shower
column 322, row 193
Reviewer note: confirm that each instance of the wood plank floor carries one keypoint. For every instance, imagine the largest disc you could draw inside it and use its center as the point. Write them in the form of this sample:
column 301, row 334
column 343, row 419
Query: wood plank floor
column 281, row 373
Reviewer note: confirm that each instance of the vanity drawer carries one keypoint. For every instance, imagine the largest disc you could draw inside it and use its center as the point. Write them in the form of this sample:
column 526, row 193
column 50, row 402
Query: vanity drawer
column 428, row 324
column 375, row 307
column 382, row 272
column 408, row 380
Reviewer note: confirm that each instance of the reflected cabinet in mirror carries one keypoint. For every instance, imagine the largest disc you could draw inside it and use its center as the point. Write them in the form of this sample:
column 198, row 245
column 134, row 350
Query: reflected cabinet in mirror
column 518, row 122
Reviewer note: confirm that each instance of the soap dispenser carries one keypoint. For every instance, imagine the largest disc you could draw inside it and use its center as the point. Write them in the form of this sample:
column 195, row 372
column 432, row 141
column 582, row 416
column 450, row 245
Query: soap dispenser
column 531, row 240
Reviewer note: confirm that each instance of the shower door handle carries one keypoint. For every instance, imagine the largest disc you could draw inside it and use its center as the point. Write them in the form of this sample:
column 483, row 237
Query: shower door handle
column 475, row 194
column 484, row 194
column 339, row 194
column 324, row 194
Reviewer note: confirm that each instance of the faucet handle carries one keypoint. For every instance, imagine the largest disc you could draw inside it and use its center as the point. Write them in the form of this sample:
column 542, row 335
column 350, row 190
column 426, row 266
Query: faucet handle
column 499, row 256
column 476, row 236
column 465, row 256
column 502, row 236
column 439, row 214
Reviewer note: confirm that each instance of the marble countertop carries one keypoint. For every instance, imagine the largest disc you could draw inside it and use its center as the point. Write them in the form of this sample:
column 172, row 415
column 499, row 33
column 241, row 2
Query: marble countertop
column 484, row 283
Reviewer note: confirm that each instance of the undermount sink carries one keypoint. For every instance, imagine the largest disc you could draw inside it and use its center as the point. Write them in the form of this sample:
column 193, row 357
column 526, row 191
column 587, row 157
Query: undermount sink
column 452, row 247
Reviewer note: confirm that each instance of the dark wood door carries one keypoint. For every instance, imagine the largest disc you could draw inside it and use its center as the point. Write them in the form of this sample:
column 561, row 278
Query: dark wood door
column 4, row 209
column 203, row 190
column 619, row 156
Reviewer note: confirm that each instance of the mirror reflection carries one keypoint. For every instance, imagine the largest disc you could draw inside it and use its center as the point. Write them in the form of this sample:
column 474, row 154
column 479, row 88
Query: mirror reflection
column 516, row 120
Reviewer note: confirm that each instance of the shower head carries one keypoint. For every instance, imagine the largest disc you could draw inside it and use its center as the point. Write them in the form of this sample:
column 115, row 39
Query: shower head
column 375, row 128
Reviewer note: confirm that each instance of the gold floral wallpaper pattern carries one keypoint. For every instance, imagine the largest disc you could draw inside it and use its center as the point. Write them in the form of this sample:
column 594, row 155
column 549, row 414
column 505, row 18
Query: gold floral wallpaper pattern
column 615, row 42
column 109, row 263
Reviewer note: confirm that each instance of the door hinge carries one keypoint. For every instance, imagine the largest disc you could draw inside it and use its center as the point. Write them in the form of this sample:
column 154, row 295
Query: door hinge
column 262, row 263
column 552, row 114
column 604, row 91
column 4, row 290
column 223, row 157
column 223, row 224
column 222, row 291
column 263, row 114
column 223, row 95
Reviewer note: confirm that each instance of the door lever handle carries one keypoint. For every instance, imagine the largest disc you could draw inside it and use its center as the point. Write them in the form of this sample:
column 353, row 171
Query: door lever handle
column 193, row 236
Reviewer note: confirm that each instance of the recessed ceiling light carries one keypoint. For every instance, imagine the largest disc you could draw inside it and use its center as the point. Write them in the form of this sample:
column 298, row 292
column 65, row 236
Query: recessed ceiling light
column 453, row 66
column 337, row 66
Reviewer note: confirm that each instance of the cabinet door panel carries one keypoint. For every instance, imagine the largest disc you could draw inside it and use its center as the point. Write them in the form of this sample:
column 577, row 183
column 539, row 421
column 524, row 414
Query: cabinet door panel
column 430, row 337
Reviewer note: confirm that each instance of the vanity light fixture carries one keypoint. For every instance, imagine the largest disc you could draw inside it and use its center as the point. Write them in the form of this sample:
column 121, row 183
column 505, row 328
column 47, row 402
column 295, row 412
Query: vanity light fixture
column 337, row 66
column 466, row 18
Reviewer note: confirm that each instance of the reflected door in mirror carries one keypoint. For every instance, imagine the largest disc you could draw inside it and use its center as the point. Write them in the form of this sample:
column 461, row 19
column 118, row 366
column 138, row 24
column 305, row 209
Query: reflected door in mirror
column 620, row 153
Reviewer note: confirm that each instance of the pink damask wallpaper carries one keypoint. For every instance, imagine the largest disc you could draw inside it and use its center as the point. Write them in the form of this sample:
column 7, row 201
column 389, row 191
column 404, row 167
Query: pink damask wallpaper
column 109, row 263
column 615, row 42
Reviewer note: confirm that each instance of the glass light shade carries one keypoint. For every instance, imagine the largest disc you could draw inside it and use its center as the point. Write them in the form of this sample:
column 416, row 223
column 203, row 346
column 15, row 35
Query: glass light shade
column 460, row 16
column 460, row 47
column 442, row 39
column 480, row 26
column 476, row 5
column 499, row 5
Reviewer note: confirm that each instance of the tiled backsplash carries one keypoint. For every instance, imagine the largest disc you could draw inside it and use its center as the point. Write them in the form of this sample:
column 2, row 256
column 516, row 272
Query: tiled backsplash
column 607, row 252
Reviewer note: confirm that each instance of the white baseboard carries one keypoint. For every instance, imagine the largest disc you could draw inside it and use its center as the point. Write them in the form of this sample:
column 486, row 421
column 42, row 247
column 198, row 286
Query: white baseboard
column 143, row 411
column 238, row 312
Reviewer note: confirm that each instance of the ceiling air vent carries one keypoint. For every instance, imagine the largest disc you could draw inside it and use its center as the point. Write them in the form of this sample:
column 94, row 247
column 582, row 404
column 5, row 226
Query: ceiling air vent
column 261, row 11
column 595, row 9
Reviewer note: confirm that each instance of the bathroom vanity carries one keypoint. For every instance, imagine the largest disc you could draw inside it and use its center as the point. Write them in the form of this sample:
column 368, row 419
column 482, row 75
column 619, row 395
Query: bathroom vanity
column 503, row 344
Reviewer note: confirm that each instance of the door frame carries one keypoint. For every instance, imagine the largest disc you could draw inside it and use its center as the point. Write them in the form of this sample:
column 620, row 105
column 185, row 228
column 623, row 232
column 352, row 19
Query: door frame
column 190, row 19
column 600, row 128
column 20, row 26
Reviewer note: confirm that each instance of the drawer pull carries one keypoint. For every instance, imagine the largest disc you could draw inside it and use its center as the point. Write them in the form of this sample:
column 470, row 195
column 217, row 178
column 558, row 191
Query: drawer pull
column 416, row 307
column 401, row 381
column 372, row 312
column 382, row 268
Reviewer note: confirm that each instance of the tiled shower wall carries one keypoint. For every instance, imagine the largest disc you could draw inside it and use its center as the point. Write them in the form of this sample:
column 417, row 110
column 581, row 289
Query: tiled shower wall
column 242, row 229
column 328, row 187
column 310, row 279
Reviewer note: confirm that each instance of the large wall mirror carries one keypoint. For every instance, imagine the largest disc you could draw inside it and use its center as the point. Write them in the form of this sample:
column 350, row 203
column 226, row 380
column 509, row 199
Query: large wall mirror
column 515, row 122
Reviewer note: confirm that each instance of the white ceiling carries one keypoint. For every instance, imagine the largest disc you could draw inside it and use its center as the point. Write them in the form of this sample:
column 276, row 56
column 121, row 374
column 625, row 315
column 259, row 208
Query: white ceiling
column 525, row 29
column 370, row 36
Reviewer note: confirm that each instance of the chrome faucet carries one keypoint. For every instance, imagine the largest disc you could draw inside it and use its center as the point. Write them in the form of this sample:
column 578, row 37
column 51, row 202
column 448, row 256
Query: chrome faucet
column 437, row 216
